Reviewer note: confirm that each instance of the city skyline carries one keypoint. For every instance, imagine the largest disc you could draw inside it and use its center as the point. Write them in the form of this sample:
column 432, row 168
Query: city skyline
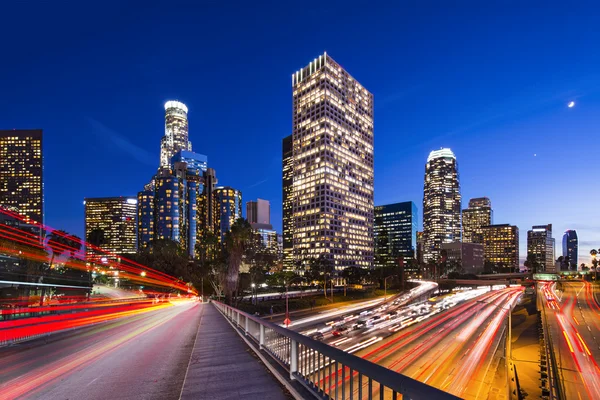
column 124, row 127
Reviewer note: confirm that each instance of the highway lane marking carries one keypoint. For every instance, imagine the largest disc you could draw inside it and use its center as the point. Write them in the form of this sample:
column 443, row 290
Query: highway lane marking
column 93, row 380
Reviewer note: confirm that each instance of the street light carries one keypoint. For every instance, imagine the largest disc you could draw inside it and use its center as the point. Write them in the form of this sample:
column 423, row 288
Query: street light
column 287, row 320
column 253, row 285
column 143, row 273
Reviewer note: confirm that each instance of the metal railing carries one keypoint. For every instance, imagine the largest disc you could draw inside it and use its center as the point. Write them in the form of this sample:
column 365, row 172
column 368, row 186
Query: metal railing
column 327, row 372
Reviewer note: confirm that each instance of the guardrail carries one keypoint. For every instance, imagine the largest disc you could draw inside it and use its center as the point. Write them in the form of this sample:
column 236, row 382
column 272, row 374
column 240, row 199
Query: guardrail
column 554, row 389
column 325, row 371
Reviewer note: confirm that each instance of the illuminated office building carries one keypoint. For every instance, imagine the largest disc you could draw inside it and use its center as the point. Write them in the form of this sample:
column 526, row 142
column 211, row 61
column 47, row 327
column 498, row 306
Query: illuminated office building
column 195, row 163
column 258, row 212
column 420, row 248
column 540, row 244
column 501, row 245
column 145, row 230
column 288, row 219
column 21, row 170
column 570, row 248
column 176, row 132
column 478, row 214
column 228, row 202
column 441, row 203
column 468, row 257
column 115, row 217
column 395, row 233
column 332, row 151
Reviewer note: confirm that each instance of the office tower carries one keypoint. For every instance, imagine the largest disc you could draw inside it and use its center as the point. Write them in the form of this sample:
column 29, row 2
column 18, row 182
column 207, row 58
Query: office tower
column 196, row 163
column 145, row 227
column 115, row 218
column 478, row 214
column 176, row 132
column 332, row 150
column 395, row 233
column 21, row 170
column 466, row 257
column 288, row 219
column 501, row 245
column 570, row 246
column 540, row 244
column 441, row 203
column 208, row 212
column 228, row 202
column 258, row 212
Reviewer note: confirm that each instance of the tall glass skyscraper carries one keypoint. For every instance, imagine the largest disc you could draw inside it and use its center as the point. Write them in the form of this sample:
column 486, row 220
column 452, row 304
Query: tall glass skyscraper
column 21, row 184
column 395, row 233
column 332, row 151
column 441, row 203
column 176, row 132
column 116, row 218
column 541, row 245
column 288, row 220
column 229, row 203
column 478, row 214
column 570, row 248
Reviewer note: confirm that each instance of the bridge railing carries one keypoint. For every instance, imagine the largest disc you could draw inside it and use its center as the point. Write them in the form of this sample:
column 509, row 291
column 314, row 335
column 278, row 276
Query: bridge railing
column 325, row 371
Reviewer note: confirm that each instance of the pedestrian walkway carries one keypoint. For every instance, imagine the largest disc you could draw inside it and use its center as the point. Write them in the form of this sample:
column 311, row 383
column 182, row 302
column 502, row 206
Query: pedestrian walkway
column 223, row 367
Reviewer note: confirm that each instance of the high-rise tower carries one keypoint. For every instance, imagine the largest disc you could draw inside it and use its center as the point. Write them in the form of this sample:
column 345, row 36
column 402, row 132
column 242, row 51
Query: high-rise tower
column 441, row 203
column 478, row 214
column 570, row 248
column 288, row 186
column 332, row 150
column 176, row 132
column 21, row 185
column 540, row 245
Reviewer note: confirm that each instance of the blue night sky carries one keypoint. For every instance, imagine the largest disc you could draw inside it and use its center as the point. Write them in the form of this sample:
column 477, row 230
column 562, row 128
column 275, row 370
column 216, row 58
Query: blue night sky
column 491, row 83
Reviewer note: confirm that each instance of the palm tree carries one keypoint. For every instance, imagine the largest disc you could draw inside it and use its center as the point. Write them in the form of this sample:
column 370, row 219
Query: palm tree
column 60, row 243
column 236, row 242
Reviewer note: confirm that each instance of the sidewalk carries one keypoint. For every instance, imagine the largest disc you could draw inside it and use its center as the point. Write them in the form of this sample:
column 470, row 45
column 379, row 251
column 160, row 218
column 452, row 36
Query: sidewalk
column 223, row 367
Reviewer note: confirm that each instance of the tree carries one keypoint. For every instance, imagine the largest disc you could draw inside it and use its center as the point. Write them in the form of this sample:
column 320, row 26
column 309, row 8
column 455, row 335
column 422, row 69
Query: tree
column 237, row 241
column 354, row 275
column 60, row 243
column 532, row 263
column 319, row 269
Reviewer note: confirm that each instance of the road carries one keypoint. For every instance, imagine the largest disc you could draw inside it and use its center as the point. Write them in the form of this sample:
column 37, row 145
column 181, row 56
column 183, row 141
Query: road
column 455, row 343
column 573, row 318
column 143, row 356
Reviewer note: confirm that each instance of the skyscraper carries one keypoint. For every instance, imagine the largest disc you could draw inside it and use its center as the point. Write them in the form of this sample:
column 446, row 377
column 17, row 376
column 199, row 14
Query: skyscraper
column 115, row 218
column 332, row 150
column 176, row 132
column 540, row 244
column 501, row 245
column 441, row 203
column 478, row 214
column 258, row 212
column 288, row 218
column 21, row 183
column 395, row 233
column 228, row 202
column 570, row 246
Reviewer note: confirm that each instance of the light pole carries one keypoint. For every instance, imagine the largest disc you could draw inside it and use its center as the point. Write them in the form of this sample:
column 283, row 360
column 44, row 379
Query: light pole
column 385, row 288
column 252, row 293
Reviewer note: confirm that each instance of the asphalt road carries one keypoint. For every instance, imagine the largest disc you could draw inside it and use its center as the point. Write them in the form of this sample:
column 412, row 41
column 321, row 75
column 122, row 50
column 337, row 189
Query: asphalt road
column 573, row 318
column 140, row 357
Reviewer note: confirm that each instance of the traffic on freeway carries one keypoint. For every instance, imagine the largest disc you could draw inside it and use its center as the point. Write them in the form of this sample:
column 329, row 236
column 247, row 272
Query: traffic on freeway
column 452, row 342
column 572, row 318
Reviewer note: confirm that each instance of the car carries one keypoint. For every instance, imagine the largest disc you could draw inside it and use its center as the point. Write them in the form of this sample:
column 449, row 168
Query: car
column 359, row 325
column 339, row 331
column 317, row 336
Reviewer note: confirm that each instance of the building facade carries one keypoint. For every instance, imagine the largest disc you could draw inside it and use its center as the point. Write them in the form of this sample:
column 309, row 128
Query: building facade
column 258, row 212
column 478, row 214
column 176, row 132
column 501, row 245
column 468, row 257
column 395, row 232
column 288, row 219
column 332, row 151
column 540, row 244
column 21, row 174
column 115, row 218
column 229, row 203
column 441, row 203
column 570, row 248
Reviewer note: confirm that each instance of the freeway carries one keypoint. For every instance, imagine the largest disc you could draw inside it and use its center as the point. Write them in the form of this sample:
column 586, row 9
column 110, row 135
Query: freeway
column 453, row 342
column 572, row 317
column 141, row 356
